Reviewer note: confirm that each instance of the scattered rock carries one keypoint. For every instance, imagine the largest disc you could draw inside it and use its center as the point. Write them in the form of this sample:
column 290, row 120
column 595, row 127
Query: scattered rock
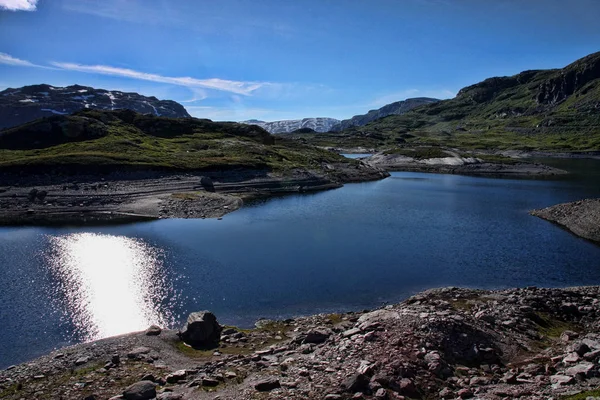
column 266, row 385
column 153, row 330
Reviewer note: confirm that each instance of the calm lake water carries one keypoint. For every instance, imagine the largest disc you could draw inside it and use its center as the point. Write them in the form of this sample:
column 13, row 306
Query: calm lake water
column 350, row 248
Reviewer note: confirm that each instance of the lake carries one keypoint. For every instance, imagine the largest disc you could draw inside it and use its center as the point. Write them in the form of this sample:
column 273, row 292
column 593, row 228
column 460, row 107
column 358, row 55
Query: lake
column 352, row 248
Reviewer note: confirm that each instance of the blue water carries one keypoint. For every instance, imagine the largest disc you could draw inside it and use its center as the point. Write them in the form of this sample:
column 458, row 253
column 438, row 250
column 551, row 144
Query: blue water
column 357, row 155
column 351, row 248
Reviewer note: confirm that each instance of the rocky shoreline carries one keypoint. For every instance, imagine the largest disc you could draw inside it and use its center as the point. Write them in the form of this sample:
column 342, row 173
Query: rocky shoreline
column 450, row 343
column 130, row 197
column 582, row 218
column 459, row 165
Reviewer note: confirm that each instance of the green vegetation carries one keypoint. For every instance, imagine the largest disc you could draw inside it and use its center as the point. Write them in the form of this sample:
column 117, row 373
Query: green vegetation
column 105, row 140
column 552, row 110
column 583, row 395
column 551, row 327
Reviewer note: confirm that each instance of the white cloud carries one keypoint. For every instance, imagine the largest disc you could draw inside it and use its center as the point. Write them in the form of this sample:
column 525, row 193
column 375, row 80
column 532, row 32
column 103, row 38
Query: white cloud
column 18, row 5
column 17, row 62
column 238, row 87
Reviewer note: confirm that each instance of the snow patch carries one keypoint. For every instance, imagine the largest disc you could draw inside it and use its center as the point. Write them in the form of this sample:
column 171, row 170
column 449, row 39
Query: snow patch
column 54, row 111
column 84, row 97
column 28, row 101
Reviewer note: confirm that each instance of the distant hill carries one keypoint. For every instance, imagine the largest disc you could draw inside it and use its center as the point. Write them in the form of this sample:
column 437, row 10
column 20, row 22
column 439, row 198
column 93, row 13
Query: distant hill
column 396, row 108
column 92, row 141
column 550, row 110
column 287, row 126
column 25, row 104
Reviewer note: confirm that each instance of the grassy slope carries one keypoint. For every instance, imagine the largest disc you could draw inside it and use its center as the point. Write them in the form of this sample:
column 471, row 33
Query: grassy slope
column 126, row 139
column 498, row 113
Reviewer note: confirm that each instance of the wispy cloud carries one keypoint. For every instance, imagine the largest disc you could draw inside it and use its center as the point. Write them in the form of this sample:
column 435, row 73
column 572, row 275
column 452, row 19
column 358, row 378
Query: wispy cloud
column 18, row 5
column 17, row 62
column 238, row 87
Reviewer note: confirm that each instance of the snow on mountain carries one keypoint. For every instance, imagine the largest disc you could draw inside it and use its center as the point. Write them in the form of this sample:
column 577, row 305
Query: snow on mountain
column 18, row 106
column 316, row 124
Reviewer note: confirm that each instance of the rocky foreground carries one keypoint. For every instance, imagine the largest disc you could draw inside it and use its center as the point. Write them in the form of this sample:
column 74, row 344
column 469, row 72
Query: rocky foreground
column 580, row 217
column 441, row 344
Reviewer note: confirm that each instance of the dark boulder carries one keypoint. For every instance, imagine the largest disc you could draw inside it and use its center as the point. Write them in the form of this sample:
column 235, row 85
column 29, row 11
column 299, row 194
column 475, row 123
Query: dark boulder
column 202, row 330
column 207, row 184
column 266, row 385
column 141, row 390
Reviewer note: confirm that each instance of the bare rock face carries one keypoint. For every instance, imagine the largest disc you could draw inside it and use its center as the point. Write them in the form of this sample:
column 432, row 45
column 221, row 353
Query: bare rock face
column 202, row 330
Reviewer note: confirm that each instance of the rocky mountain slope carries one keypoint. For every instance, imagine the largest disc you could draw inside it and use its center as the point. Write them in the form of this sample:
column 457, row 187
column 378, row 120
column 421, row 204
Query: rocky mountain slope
column 450, row 343
column 25, row 104
column 550, row 110
column 396, row 108
column 286, row 126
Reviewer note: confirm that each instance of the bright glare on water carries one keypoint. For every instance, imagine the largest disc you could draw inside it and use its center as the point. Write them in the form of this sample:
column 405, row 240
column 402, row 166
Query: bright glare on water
column 108, row 284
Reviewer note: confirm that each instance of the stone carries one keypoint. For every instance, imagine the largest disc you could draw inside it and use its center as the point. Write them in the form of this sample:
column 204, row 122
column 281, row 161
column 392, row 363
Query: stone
column 381, row 394
column 266, row 385
column 581, row 349
column 407, row 388
column 153, row 330
column 207, row 183
column 592, row 355
column 316, row 336
column 202, row 330
column 560, row 380
column 169, row 396
column 209, row 382
column 571, row 358
column 351, row 332
column 82, row 360
column 356, row 383
column 446, row 393
column 138, row 352
column 142, row 390
column 176, row 376
column 583, row 369
column 465, row 393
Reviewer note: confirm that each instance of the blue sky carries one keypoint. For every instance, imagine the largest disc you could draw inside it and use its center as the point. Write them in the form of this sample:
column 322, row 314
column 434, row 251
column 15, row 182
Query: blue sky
column 284, row 59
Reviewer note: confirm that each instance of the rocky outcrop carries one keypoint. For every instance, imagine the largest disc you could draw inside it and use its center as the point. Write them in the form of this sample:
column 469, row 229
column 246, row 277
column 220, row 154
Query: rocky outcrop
column 569, row 80
column 453, row 163
column 580, row 217
column 25, row 104
column 396, row 108
column 287, row 126
column 451, row 343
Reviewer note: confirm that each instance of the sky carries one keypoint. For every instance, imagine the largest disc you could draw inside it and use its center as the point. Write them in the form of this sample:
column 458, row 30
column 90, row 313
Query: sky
column 284, row 59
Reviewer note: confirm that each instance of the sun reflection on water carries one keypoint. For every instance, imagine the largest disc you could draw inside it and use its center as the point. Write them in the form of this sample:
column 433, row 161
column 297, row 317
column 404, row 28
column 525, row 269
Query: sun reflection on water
column 109, row 285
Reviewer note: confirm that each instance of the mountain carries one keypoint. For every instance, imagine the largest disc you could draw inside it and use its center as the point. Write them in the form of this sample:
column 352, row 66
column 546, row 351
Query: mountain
column 316, row 124
column 396, row 108
column 18, row 106
column 547, row 110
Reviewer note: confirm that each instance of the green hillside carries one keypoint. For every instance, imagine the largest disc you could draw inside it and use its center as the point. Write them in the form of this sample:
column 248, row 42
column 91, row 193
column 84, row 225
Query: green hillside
column 551, row 110
column 93, row 140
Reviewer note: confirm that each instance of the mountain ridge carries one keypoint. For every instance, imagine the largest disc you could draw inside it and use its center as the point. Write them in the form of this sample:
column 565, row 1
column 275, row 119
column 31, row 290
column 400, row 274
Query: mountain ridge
column 25, row 104
column 553, row 110
column 395, row 108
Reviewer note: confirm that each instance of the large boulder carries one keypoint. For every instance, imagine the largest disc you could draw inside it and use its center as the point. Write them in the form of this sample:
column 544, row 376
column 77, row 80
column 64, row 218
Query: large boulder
column 202, row 330
column 142, row 390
